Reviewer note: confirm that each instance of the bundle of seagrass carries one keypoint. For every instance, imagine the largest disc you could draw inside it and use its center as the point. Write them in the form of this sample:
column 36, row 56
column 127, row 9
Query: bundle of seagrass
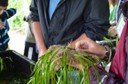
column 64, row 65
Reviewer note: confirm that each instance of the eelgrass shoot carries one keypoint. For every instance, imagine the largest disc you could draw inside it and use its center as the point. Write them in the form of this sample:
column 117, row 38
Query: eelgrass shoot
column 64, row 65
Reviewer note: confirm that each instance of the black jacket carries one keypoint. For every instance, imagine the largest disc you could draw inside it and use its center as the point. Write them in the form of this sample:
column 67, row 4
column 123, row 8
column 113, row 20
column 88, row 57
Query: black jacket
column 71, row 19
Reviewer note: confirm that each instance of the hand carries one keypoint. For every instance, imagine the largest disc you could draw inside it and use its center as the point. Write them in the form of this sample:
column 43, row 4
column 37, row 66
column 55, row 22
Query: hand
column 2, row 24
column 91, row 47
column 72, row 44
column 41, row 53
column 112, row 30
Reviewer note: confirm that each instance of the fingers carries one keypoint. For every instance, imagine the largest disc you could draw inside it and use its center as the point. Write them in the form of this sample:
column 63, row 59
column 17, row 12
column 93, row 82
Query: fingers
column 2, row 24
column 77, row 45
column 83, row 36
column 41, row 53
column 81, row 45
column 112, row 31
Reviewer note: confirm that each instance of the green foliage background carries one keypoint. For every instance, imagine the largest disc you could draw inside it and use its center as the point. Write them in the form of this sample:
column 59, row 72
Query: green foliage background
column 21, row 6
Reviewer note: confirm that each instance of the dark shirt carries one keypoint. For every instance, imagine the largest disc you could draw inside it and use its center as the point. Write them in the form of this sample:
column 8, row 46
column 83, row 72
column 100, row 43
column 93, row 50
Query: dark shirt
column 71, row 19
column 4, row 38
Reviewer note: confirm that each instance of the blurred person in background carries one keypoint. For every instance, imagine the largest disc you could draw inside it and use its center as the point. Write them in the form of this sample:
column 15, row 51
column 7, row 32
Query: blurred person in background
column 117, row 18
column 4, row 27
column 112, row 18
column 30, row 43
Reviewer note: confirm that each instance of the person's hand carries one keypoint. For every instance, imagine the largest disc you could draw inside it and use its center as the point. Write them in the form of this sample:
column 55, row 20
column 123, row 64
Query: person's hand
column 91, row 47
column 72, row 44
column 2, row 24
column 112, row 30
column 41, row 53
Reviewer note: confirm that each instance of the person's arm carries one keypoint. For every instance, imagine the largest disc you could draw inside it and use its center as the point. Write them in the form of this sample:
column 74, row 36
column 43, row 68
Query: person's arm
column 7, row 25
column 37, row 28
column 39, row 38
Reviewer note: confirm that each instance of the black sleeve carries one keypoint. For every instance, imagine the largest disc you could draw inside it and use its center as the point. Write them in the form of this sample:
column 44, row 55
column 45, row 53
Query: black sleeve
column 97, row 22
column 34, row 10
